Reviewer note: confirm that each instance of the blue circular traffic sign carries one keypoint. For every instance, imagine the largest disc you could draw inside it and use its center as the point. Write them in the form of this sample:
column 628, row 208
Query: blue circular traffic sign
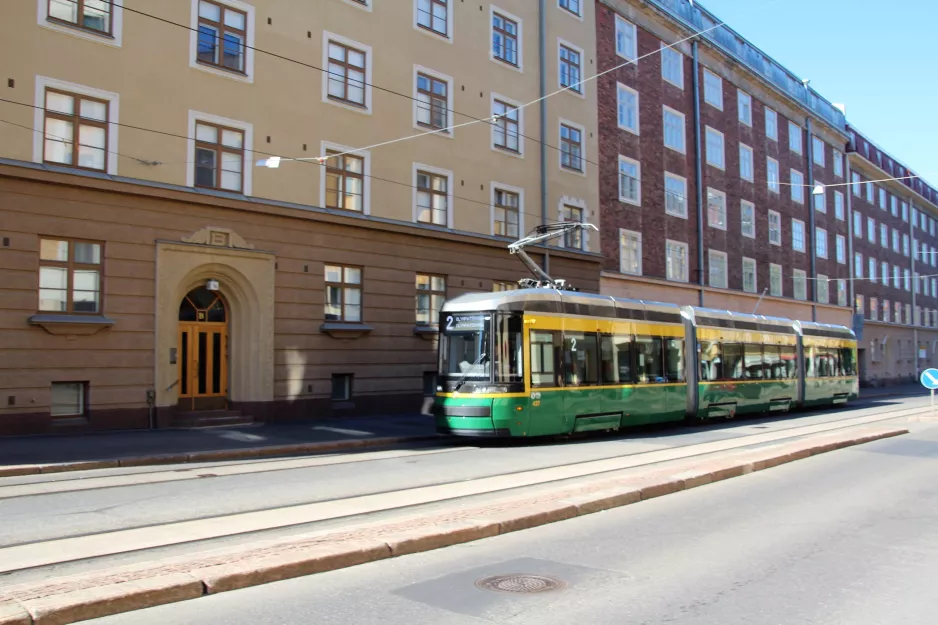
column 929, row 379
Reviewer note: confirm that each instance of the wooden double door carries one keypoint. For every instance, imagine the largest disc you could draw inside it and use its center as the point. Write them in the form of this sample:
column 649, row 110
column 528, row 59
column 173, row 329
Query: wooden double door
column 203, row 351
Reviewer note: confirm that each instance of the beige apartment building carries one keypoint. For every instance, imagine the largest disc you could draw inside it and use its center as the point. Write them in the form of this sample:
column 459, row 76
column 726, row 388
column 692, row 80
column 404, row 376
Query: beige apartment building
column 157, row 269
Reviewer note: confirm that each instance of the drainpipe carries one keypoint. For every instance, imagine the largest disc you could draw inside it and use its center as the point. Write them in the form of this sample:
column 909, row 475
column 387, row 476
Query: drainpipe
column 809, row 148
column 542, row 50
column 699, row 173
column 914, row 285
column 851, row 261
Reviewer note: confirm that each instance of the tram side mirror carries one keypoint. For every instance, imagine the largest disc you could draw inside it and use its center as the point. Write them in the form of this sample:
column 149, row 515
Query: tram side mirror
column 172, row 355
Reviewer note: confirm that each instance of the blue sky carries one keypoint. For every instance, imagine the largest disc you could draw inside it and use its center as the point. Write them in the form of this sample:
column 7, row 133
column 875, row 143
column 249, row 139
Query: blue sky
column 876, row 58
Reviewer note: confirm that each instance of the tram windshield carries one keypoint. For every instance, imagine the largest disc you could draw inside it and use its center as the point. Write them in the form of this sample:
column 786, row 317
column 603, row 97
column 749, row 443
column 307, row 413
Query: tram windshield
column 481, row 347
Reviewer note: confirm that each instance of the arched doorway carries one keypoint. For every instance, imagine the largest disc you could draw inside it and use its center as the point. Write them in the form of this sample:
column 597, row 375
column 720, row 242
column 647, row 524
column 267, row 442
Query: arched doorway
column 203, row 351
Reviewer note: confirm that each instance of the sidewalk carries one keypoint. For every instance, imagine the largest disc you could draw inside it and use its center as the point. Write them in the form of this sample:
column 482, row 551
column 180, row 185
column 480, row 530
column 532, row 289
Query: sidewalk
column 141, row 447
column 898, row 390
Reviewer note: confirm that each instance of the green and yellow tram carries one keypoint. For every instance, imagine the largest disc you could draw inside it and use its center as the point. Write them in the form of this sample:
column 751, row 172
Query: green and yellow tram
column 538, row 362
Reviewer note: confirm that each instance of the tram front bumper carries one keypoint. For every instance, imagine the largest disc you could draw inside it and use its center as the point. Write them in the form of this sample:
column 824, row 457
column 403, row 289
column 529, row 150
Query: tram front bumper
column 467, row 418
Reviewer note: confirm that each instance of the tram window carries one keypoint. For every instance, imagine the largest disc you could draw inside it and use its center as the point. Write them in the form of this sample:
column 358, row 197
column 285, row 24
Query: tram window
column 771, row 363
column 581, row 358
column 848, row 361
column 733, row 361
column 624, row 356
column 648, row 366
column 609, row 359
column 789, row 362
column 509, row 348
column 810, row 369
column 711, row 361
column 752, row 362
column 674, row 359
column 545, row 359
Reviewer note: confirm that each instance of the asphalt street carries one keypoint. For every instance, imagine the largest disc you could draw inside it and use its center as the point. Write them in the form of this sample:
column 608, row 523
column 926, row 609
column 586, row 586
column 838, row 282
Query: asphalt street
column 848, row 537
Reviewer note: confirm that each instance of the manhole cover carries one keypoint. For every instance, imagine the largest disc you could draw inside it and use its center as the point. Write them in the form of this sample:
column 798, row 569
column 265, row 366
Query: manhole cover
column 520, row 584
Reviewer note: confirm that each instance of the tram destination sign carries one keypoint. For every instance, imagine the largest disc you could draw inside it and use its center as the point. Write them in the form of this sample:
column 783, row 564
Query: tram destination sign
column 465, row 323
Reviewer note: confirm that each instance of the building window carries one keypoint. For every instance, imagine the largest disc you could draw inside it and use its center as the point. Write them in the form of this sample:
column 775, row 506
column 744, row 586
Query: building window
column 775, row 228
column 628, row 108
column 838, row 159
column 572, row 6
column 219, row 157
column 859, row 304
column 506, row 207
column 895, row 240
column 841, row 244
column 718, row 262
column 749, row 275
column 676, row 254
column 431, row 293
column 856, row 183
column 896, row 277
column 874, row 310
column 744, row 104
column 630, row 181
column 794, row 137
column 871, row 230
column 819, row 200
column 894, row 205
column 498, row 287
column 771, row 124
column 630, row 252
column 884, row 235
column 870, row 192
column 222, row 36
column 886, row 311
column 800, row 284
column 341, row 386
column 715, row 151
column 343, row 293
column 858, row 225
column 674, row 133
column 345, row 177
column 858, row 265
column 820, row 243
column 626, row 39
column 773, row 175
column 573, row 239
column 797, row 186
column 775, row 280
column 823, row 289
column 905, row 245
column 747, row 214
column 871, row 268
column 505, row 39
column 570, row 69
column 507, row 126
column 69, row 399
column 818, row 151
column 713, row 89
column 432, row 102
column 675, row 195
column 432, row 198
column 884, row 273
column 907, row 280
column 347, row 70
column 672, row 66
column 433, row 15
column 716, row 209
column 905, row 212
column 841, row 292
column 93, row 15
column 745, row 162
column 882, row 198
column 797, row 235
column 69, row 276
column 571, row 148
column 76, row 130
column 839, row 205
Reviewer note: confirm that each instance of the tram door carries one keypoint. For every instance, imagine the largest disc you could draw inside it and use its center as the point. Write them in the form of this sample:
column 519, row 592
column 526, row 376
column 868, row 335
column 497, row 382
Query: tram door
column 203, row 351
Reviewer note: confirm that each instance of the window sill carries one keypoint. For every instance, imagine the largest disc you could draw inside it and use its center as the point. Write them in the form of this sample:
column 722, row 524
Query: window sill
column 426, row 332
column 72, row 325
column 109, row 39
column 344, row 330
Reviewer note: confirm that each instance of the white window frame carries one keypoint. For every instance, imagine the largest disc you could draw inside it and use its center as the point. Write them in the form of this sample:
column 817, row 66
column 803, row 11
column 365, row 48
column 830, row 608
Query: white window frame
column 714, row 132
column 582, row 82
column 665, row 111
column 366, row 172
column 838, row 159
column 777, row 187
column 819, row 201
column 771, row 114
column 794, row 130
column 623, row 24
column 638, row 166
column 778, row 239
column 683, row 182
column 776, row 270
column 517, row 20
column 815, row 142
column 448, row 37
column 755, row 275
column 751, row 159
column 721, row 194
column 582, row 129
column 500, row 186
column 671, row 243
column 248, row 76
column 743, row 98
column 619, row 89
column 675, row 54
column 113, row 120
column 743, row 205
column 797, row 188
column 800, row 285
column 839, row 211
column 450, row 205
column 114, row 40
column 724, row 258
column 638, row 235
column 247, row 174
column 840, row 243
column 716, row 103
column 446, row 132
column 820, row 235
column 364, row 5
column 804, row 236
column 369, row 68
column 574, row 202
column 520, row 153
column 567, row 11
column 822, row 292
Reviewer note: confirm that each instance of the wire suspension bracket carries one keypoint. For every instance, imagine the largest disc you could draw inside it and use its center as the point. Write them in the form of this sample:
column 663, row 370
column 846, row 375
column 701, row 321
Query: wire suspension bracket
column 542, row 234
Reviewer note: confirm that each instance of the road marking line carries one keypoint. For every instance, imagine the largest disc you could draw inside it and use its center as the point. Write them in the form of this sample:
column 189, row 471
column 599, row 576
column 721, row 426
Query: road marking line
column 326, row 428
